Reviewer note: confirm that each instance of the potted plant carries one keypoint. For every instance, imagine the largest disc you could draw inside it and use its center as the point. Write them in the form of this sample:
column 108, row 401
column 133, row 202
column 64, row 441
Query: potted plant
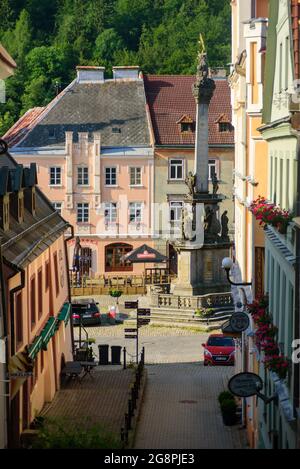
column 116, row 294
column 225, row 395
column 229, row 409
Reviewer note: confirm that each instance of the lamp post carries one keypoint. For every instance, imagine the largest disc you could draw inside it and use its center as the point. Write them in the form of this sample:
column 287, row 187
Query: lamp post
column 227, row 265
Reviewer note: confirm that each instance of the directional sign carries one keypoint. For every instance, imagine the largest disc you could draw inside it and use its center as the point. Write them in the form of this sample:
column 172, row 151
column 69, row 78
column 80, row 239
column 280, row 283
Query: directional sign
column 131, row 304
column 130, row 336
column 143, row 322
column 245, row 384
column 239, row 322
column 130, row 330
column 144, row 312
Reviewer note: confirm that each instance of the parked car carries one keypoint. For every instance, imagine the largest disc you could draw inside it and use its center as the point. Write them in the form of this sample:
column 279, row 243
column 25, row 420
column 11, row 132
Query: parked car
column 86, row 311
column 219, row 350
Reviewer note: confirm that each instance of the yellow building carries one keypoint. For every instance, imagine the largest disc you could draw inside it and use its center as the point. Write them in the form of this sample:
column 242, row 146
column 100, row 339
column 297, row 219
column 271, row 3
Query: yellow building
column 249, row 31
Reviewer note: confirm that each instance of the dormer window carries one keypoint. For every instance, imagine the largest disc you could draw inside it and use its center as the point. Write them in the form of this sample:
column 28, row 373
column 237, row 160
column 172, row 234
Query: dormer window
column 225, row 127
column 186, row 124
column 116, row 130
column 51, row 133
column 186, row 127
column 224, row 123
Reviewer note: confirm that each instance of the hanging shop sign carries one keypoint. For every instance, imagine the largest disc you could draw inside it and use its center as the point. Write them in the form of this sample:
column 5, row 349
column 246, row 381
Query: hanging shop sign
column 239, row 322
column 245, row 384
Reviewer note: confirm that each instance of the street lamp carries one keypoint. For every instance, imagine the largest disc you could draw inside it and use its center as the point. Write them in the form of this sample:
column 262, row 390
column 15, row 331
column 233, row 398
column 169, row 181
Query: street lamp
column 227, row 265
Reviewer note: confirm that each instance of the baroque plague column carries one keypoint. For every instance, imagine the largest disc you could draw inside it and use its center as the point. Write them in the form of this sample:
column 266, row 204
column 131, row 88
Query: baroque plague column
column 204, row 241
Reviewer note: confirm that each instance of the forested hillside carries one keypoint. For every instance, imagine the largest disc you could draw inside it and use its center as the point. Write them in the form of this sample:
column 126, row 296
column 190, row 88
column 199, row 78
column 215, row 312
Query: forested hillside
column 48, row 38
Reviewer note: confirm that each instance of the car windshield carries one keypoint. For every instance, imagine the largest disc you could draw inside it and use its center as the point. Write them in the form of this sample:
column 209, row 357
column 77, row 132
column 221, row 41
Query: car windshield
column 220, row 342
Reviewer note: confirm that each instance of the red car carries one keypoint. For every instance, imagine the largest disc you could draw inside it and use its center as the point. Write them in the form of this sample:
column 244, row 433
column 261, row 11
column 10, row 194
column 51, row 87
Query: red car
column 219, row 350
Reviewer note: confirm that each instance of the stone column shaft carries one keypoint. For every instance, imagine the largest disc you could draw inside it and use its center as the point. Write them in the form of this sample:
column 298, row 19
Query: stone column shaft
column 201, row 148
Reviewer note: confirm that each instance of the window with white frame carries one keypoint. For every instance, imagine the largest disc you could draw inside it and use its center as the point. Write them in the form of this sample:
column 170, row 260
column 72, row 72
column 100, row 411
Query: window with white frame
column 176, row 169
column 212, row 168
column 111, row 176
column 110, row 212
column 82, row 213
column 135, row 212
column 83, row 176
column 55, row 176
column 57, row 206
column 135, row 176
column 175, row 211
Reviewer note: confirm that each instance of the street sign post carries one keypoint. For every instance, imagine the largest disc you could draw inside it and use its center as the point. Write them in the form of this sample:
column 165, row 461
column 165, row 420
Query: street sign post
column 131, row 304
column 142, row 319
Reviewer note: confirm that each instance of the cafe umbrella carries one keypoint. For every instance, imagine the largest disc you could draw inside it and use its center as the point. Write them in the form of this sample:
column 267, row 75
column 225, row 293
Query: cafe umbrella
column 144, row 255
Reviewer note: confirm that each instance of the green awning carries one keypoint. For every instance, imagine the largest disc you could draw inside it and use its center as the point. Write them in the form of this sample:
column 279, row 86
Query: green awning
column 64, row 314
column 35, row 347
column 48, row 332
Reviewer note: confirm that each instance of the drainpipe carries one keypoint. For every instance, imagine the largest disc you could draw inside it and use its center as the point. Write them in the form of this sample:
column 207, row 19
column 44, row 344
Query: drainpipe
column 66, row 240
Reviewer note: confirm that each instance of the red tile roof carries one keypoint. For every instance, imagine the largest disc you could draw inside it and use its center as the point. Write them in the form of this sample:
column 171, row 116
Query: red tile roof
column 21, row 128
column 170, row 97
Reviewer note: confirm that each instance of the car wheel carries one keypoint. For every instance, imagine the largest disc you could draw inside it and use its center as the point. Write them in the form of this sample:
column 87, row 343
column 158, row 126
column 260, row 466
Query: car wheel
column 205, row 364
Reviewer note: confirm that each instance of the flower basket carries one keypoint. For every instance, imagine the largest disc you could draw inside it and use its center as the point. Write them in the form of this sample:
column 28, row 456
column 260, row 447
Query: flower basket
column 278, row 364
column 270, row 214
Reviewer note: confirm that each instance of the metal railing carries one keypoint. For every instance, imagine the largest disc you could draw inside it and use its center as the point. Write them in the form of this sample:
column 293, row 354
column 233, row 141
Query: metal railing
column 132, row 401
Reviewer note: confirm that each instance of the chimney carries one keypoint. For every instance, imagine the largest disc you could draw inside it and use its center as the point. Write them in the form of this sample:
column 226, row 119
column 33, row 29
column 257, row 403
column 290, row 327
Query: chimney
column 29, row 192
column 90, row 74
column 126, row 72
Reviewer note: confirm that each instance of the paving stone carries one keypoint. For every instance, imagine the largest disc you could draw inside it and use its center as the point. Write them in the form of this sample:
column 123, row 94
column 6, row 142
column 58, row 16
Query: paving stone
column 181, row 411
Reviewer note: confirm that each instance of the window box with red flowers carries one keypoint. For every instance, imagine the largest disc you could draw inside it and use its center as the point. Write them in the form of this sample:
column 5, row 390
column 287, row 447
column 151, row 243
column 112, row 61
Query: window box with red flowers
column 265, row 337
column 270, row 214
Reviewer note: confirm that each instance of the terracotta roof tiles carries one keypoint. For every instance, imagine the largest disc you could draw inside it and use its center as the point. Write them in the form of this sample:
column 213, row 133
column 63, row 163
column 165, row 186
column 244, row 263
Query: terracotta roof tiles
column 170, row 97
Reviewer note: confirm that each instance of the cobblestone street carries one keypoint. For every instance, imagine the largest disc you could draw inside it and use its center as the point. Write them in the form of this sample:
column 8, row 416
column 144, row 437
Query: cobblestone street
column 180, row 407
column 181, row 411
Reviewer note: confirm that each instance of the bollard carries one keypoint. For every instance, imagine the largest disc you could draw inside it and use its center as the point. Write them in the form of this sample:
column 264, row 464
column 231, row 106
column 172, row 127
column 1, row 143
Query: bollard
column 124, row 358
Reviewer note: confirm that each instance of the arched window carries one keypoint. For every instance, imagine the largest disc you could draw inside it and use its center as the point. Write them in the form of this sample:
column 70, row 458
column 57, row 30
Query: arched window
column 113, row 255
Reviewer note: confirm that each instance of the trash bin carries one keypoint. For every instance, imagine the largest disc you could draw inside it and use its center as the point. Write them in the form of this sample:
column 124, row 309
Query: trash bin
column 103, row 354
column 116, row 355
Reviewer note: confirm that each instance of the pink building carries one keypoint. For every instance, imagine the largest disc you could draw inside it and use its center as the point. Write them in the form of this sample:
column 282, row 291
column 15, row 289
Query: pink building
column 94, row 151
column 35, row 296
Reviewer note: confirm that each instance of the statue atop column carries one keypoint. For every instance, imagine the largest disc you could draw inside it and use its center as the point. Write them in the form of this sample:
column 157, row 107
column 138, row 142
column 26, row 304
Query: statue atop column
column 204, row 87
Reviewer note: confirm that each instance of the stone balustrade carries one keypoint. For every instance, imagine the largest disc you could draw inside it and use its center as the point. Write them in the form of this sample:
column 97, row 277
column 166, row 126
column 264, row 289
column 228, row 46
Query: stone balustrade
column 217, row 300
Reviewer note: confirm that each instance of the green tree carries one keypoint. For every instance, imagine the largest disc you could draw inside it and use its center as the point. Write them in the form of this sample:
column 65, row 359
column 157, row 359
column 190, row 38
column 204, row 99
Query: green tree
column 107, row 44
column 19, row 40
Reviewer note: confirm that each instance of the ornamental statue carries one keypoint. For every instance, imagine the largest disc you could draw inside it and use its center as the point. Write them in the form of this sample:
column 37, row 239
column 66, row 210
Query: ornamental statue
column 215, row 182
column 191, row 183
column 204, row 87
